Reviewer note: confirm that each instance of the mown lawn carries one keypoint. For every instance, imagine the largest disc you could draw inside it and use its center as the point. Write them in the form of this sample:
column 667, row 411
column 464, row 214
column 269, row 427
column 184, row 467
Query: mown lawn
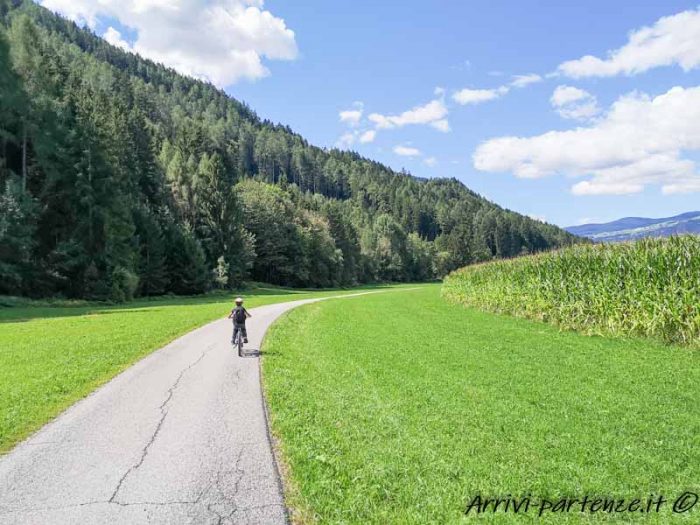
column 52, row 356
column 400, row 408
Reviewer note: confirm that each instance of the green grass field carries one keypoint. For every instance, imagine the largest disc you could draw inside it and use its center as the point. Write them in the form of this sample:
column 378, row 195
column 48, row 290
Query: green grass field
column 399, row 408
column 52, row 356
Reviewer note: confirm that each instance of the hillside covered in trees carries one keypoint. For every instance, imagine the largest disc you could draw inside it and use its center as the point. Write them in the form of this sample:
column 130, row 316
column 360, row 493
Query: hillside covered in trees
column 120, row 177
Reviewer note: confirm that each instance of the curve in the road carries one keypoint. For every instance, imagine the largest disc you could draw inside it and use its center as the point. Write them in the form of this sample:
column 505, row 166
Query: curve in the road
column 180, row 437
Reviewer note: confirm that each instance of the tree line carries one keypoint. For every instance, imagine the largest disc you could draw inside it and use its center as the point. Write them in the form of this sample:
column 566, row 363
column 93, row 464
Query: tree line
column 121, row 178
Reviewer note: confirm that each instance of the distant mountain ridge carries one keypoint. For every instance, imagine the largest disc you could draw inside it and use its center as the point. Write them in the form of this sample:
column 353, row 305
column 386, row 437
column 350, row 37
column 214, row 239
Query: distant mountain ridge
column 630, row 228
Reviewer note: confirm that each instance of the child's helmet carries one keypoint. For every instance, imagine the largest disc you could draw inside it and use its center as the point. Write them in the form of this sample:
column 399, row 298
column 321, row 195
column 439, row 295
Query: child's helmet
column 239, row 300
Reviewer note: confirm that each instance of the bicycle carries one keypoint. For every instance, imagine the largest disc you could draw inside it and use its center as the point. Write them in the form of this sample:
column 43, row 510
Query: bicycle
column 238, row 342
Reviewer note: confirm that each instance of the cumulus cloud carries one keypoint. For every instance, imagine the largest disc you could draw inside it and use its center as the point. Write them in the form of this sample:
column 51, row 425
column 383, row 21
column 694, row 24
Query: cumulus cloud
column 441, row 125
column 346, row 140
column 670, row 40
column 221, row 41
column 564, row 95
column 430, row 161
column 114, row 37
column 477, row 96
column 574, row 103
column 368, row 136
column 407, row 151
column 352, row 116
column 639, row 142
column 520, row 81
column 349, row 138
column 433, row 113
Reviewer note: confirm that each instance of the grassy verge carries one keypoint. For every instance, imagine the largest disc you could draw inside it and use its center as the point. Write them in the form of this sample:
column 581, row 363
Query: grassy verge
column 51, row 356
column 648, row 288
column 400, row 408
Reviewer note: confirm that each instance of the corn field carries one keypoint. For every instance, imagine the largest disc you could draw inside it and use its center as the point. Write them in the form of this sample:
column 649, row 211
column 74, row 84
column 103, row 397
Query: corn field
column 648, row 288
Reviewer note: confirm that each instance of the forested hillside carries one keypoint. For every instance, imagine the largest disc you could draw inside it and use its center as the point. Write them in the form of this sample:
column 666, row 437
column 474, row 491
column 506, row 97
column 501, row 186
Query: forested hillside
column 120, row 177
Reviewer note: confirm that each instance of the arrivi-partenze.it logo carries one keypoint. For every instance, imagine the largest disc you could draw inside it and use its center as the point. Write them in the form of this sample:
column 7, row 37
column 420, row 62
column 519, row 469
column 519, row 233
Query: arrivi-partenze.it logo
column 653, row 503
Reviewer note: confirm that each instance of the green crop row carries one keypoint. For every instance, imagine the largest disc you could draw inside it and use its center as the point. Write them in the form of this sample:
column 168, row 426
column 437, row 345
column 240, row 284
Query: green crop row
column 649, row 288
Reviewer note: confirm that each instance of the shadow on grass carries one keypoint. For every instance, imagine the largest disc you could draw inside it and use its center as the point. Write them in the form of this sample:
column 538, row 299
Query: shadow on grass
column 27, row 310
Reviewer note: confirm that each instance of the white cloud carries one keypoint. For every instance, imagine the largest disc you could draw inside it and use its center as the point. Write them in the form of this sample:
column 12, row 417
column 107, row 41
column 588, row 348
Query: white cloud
column 430, row 161
column 346, row 140
column 368, row 136
column 564, row 95
column 441, row 125
column 525, row 80
column 222, row 41
column 639, row 142
column 674, row 173
column 114, row 37
column 671, row 40
column 349, row 138
column 433, row 113
column 407, row 151
column 477, row 96
column 574, row 103
column 352, row 116
column 584, row 111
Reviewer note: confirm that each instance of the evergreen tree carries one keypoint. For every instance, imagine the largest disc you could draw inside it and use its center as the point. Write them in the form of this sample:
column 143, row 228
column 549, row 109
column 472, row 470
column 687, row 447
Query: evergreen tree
column 185, row 262
column 17, row 237
column 270, row 216
column 12, row 105
column 152, row 262
column 121, row 177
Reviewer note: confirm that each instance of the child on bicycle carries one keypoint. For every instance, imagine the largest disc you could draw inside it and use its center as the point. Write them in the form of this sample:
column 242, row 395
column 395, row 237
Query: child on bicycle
column 239, row 314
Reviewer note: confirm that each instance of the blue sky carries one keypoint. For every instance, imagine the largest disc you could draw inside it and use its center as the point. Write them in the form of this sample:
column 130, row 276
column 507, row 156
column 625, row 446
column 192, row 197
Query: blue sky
column 387, row 59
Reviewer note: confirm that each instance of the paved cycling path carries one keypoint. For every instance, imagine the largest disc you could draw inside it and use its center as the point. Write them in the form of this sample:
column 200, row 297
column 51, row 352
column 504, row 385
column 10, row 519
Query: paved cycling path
column 180, row 437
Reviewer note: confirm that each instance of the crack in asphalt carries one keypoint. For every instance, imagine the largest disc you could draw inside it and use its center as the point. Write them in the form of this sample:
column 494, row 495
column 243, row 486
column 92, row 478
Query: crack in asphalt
column 164, row 414
column 196, row 501
column 221, row 492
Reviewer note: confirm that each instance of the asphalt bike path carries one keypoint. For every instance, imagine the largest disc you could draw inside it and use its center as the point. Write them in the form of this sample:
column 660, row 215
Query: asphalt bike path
column 179, row 437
